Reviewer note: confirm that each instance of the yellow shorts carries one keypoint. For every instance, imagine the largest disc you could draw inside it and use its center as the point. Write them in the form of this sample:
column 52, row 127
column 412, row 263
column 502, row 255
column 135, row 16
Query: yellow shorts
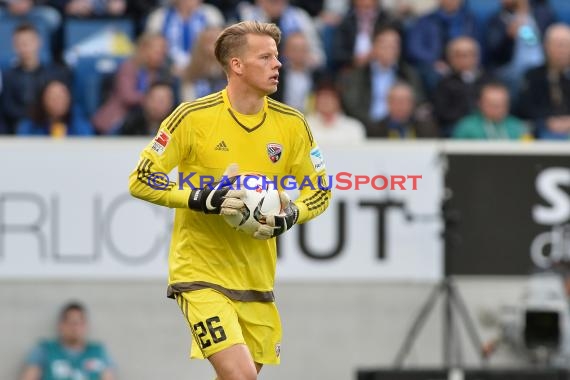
column 217, row 322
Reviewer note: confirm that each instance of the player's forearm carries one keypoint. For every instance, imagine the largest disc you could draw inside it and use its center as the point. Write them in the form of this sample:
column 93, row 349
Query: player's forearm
column 312, row 204
column 167, row 198
column 145, row 185
column 314, row 197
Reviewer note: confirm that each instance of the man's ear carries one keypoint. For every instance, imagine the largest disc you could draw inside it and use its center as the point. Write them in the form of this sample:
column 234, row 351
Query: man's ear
column 236, row 66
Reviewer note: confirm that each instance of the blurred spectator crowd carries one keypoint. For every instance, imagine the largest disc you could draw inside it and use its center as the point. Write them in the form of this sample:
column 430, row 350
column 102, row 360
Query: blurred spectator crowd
column 399, row 69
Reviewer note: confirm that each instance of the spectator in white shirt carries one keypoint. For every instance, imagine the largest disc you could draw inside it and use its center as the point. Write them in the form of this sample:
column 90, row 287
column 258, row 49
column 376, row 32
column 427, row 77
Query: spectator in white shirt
column 329, row 124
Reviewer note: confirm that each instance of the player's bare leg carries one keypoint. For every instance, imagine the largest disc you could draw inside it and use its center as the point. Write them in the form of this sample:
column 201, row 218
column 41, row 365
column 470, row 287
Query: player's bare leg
column 257, row 367
column 235, row 363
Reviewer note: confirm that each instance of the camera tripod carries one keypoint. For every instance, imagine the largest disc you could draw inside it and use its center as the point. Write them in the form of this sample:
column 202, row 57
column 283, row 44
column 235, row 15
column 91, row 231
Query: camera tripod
column 452, row 302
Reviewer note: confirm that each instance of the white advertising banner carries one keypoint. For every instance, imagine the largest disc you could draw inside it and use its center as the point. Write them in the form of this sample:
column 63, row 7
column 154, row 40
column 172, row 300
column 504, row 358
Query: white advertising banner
column 65, row 212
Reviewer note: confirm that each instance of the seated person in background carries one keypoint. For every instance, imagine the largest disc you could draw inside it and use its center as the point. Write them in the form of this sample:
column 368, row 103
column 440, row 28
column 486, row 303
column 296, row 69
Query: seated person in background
column 53, row 114
column 354, row 37
column 157, row 104
column 23, row 81
column 456, row 94
column 180, row 24
column 289, row 19
column 365, row 89
column 404, row 120
column 545, row 92
column 71, row 355
column 296, row 76
column 31, row 11
column 327, row 16
column 227, row 7
column 329, row 124
column 312, row 7
column 514, row 39
column 3, row 128
column 492, row 121
column 138, row 10
column 204, row 75
column 91, row 8
column 430, row 34
column 134, row 77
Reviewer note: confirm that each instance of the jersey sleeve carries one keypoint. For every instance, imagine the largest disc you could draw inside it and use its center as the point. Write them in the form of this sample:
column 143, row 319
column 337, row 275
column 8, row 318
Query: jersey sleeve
column 310, row 173
column 149, row 181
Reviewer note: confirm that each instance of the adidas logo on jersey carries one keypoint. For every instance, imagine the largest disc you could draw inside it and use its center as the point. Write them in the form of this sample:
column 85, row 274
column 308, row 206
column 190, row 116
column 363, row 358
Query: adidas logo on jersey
column 222, row 146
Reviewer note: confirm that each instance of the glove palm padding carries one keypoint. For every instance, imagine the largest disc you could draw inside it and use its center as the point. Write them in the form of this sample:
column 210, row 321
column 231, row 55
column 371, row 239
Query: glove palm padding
column 274, row 225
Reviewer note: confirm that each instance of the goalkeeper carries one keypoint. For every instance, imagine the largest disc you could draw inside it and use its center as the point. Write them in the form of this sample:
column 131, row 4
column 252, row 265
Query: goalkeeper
column 223, row 279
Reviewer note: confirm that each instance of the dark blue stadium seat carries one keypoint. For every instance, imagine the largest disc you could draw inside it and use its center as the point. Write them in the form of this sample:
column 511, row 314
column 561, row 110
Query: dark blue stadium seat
column 90, row 75
column 77, row 30
column 97, row 38
column 561, row 9
column 7, row 54
column 483, row 9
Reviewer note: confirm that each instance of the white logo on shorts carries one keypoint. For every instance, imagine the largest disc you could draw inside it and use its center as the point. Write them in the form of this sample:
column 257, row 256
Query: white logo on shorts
column 278, row 349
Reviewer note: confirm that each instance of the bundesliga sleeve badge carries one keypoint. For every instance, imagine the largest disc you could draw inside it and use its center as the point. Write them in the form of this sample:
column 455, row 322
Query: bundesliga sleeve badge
column 160, row 142
column 317, row 159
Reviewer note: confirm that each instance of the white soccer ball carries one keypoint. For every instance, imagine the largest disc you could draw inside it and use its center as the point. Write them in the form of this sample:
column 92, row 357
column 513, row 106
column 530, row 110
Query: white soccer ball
column 261, row 198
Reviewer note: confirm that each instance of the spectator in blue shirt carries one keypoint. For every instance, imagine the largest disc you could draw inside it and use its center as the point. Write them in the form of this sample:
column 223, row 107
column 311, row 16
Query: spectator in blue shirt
column 181, row 23
column 71, row 355
column 514, row 39
column 365, row 89
column 429, row 36
column 290, row 19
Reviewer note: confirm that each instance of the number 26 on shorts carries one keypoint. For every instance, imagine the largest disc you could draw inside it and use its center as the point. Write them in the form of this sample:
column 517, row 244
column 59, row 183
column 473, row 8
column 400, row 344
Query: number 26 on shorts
column 211, row 328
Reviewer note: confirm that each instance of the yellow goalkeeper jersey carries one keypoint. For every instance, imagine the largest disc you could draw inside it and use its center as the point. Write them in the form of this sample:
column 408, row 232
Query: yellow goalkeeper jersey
column 202, row 139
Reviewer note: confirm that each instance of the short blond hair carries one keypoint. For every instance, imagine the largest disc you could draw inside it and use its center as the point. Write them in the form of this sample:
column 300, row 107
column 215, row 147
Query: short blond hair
column 233, row 39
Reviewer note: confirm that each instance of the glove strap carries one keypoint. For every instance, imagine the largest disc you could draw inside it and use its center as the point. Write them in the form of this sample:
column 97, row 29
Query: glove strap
column 195, row 200
column 292, row 212
column 288, row 220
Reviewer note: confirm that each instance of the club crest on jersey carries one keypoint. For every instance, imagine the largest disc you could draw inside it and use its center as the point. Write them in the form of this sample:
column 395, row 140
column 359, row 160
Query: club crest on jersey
column 274, row 151
column 160, row 142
